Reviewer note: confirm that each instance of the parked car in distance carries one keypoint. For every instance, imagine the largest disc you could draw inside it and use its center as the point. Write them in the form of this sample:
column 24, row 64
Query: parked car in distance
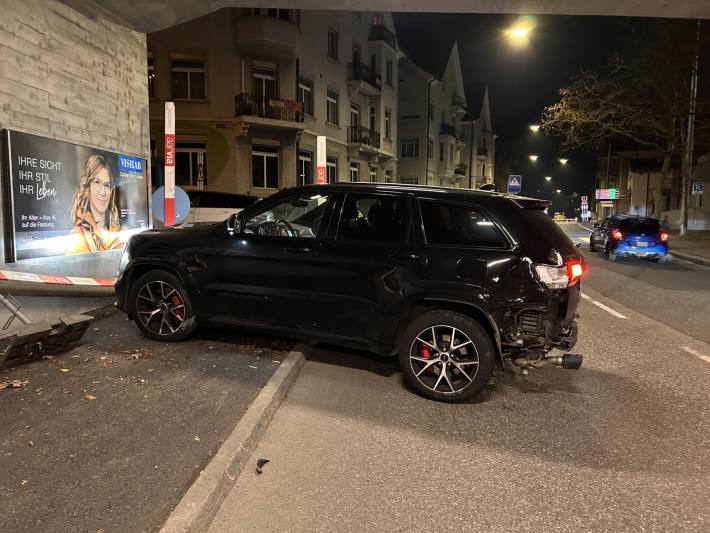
column 212, row 206
column 630, row 236
column 451, row 281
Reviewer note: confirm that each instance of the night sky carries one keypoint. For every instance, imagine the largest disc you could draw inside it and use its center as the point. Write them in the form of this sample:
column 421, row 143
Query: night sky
column 521, row 81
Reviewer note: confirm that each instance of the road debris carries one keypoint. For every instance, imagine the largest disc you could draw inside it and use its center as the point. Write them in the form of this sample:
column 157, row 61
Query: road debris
column 88, row 396
column 259, row 465
column 14, row 384
column 65, row 370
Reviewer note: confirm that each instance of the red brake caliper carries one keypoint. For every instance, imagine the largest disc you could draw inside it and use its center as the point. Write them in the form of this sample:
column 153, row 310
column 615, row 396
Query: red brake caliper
column 426, row 354
column 176, row 301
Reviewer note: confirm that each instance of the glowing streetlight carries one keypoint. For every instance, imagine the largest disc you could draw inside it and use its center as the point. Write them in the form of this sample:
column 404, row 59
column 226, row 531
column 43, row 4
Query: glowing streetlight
column 558, row 191
column 533, row 157
column 534, row 127
column 563, row 160
column 548, row 178
column 519, row 33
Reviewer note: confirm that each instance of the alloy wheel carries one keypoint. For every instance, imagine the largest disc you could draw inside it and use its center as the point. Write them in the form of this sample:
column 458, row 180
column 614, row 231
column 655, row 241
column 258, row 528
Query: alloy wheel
column 160, row 308
column 444, row 359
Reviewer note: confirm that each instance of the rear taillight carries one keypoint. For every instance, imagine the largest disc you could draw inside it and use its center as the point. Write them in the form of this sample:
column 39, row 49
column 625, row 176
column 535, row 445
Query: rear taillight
column 561, row 277
column 663, row 236
column 575, row 270
column 616, row 235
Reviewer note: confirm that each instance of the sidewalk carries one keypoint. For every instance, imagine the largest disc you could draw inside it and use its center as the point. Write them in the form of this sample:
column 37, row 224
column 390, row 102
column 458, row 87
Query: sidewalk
column 694, row 247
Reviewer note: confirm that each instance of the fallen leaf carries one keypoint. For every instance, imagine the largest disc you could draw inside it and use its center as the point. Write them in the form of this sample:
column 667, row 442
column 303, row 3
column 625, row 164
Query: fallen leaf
column 23, row 482
column 260, row 464
column 140, row 380
column 31, row 443
column 151, row 370
column 196, row 438
column 48, row 357
column 65, row 370
column 88, row 396
column 15, row 383
column 103, row 357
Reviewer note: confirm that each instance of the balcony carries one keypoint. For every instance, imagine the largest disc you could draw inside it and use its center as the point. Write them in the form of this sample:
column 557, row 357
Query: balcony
column 363, row 79
column 482, row 153
column 379, row 32
column 461, row 169
column 267, row 35
column 448, row 129
column 458, row 104
column 364, row 139
column 250, row 109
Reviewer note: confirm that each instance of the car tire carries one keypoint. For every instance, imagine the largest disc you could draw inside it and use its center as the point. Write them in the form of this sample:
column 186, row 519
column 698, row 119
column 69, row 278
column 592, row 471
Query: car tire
column 466, row 369
column 161, row 307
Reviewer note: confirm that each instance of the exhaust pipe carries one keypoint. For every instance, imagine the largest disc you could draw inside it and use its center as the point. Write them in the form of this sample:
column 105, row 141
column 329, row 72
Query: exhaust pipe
column 568, row 361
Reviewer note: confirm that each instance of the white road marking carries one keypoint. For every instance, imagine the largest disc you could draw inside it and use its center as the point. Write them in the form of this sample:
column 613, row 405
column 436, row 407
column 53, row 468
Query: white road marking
column 696, row 353
column 605, row 307
column 585, row 228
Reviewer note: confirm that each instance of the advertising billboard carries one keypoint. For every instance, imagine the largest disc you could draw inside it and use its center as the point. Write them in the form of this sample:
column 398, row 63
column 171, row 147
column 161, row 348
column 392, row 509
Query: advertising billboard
column 64, row 199
column 607, row 194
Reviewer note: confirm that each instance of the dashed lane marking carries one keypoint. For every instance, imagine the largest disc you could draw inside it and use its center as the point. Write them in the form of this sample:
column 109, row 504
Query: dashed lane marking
column 605, row 307
column 696, row 353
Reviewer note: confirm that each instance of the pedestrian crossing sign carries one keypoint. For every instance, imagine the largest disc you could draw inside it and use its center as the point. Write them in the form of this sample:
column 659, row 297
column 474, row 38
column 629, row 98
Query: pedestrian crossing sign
column 514, row 184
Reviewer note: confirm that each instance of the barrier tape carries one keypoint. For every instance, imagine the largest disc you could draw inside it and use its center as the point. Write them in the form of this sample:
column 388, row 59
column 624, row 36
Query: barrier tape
column 51, row 279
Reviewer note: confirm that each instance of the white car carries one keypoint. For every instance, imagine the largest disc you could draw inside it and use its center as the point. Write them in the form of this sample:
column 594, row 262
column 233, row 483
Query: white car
column 211, row 206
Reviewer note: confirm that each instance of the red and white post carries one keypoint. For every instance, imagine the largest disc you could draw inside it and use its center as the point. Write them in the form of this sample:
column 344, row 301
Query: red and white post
column 321, row 159
column 169, row 207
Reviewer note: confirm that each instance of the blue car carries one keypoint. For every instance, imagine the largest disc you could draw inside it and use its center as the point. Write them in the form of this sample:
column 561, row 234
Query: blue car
column 630, row 236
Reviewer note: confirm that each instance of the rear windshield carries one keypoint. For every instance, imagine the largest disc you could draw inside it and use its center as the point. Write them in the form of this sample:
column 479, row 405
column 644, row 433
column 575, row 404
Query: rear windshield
column 631, row 225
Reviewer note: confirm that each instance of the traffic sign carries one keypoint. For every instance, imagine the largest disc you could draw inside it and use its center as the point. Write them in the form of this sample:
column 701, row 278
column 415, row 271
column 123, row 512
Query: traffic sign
column 698, row 187
column 181, row 208
column 515, row 183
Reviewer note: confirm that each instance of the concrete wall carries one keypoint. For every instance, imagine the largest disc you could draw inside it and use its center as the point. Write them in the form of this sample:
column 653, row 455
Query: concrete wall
column 72, row 78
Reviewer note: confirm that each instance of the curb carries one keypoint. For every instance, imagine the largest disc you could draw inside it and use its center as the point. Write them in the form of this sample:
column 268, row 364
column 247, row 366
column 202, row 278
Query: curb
column 692, row 258
column 203, row 499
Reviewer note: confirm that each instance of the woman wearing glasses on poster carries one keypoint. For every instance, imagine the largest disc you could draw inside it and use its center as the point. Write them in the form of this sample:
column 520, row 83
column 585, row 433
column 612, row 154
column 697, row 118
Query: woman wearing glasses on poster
column 93, row 210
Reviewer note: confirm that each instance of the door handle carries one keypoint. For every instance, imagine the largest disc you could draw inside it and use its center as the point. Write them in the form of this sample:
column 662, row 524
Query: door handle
column 404, row 256
column 298, row 250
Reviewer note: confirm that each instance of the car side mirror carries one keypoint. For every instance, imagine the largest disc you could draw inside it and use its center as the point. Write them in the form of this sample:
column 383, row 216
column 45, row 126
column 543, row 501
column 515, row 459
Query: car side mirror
column 596, row 225
column 233, row 224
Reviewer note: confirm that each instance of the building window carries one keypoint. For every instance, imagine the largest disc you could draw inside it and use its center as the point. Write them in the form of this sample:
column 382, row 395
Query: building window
column 305, row 167
column 411, row 180
column 265, row 167
column 188, row 79
column 354, row 172
column 190, row 163
column 333, row 43
column 388, row 176
column 388, row 122
column 281, row 14
column 151, row 75
column 332, row 111
column 410, row 147
column 332, row 168
column 430, row 149
column 305, row 95
column 451, row 153
column 354, row 116
column 441, row 151
column 388, row 71
column 373, row 174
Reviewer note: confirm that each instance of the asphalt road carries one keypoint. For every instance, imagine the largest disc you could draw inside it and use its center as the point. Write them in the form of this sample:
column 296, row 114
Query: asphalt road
column 675, row 293
column 620, row 445
column 110, row 435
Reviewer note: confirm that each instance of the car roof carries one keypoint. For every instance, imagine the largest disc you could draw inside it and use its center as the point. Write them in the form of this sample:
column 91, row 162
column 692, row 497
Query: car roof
column 450, row 193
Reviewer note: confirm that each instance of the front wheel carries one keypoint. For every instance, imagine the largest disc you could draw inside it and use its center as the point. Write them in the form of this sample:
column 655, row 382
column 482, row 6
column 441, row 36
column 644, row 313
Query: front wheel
column 446, row 356
column 161, row 307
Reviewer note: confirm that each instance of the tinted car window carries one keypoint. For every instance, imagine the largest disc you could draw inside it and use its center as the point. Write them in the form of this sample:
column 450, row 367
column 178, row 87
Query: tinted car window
column 368, row 217
column 296, row 216
column 634, row 225
column 219, row 200
column 458, row 225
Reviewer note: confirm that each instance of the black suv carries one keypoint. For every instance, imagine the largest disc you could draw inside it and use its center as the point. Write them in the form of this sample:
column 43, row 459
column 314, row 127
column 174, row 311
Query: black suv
column 449, row 280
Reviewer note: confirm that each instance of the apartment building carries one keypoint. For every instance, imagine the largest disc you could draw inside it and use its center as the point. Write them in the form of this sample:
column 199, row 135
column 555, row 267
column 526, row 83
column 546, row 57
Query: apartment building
column 434, row 139
column 254, row 87
column 479, row 141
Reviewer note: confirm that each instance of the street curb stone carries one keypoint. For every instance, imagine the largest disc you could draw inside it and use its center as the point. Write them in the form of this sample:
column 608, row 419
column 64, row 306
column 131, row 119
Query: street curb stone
column 692, row 258
column 203, row 499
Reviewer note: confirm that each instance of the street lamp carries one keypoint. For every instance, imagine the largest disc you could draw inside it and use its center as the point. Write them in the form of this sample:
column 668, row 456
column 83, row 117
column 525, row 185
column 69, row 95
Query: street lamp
column 533, row 157
column 548, row 178
column 534, row 127
column 563, row 160
column 558, row 191
column 519, row 34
